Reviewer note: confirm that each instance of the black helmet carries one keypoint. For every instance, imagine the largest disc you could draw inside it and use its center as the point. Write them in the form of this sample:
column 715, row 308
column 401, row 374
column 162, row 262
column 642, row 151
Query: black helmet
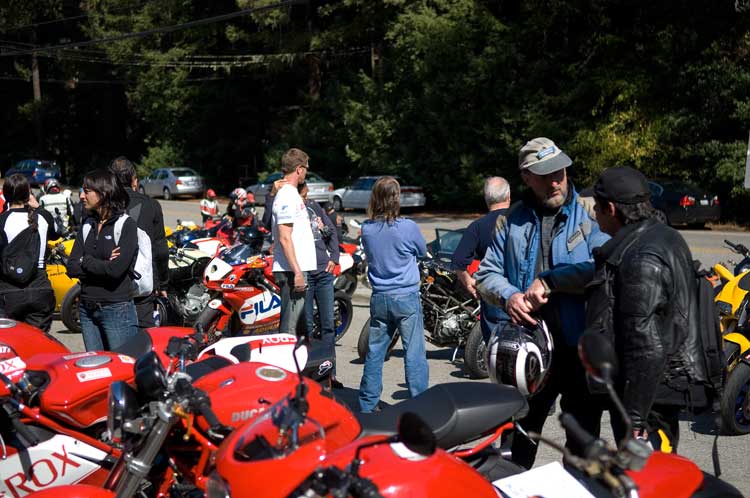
column 251, row 236
column 520, row 356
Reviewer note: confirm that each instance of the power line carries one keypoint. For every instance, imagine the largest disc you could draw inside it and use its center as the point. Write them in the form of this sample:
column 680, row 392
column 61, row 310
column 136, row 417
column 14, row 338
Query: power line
column 164, row 29
column 65, row 19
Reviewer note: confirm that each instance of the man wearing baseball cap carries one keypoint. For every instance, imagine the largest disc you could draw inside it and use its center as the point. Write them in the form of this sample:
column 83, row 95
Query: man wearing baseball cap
column 640, row 298
column 537, row 265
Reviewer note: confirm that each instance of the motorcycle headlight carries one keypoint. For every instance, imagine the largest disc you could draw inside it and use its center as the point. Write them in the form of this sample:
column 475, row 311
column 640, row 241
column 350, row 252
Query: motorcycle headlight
column 217, row 487
column 123, row 406
column 723, row 308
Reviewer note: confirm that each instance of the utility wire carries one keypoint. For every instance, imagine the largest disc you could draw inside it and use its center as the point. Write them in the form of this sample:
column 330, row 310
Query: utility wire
column 163, row 29
column 65, row 19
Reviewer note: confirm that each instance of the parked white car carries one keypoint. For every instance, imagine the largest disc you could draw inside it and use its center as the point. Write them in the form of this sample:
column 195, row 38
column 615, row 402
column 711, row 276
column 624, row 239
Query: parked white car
column 358, row 195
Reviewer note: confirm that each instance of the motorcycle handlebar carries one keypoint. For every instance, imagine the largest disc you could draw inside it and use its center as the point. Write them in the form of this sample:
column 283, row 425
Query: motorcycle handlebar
column 24, row 431
column 576, row 432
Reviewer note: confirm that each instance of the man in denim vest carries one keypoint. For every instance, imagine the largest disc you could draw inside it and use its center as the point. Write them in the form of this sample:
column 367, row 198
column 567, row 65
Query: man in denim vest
column 537, row 266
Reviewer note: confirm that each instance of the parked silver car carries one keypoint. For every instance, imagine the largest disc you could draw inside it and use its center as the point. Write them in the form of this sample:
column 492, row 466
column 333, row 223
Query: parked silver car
column 169, row 182
column 318, row 189
column 358, row 195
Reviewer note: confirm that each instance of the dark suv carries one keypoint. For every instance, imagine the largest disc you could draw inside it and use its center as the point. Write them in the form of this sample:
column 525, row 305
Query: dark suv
column 36, row 170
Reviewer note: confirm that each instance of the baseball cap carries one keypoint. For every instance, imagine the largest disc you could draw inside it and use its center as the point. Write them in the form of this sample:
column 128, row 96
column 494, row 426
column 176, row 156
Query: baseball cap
column 541, row 156
column 622, row 184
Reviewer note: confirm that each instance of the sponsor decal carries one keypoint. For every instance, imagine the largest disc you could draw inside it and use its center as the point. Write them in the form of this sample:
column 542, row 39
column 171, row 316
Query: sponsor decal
column 227, row 286
column 260, row 307
column 55, row 462
column 13, row 368
column 99, row 373
column 324, row 367
column 126, row 359
column 247, row 414
column 280, row 339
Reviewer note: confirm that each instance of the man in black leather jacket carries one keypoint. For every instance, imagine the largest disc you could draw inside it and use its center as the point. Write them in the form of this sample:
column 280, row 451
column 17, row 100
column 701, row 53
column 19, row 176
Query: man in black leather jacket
column 643, row 296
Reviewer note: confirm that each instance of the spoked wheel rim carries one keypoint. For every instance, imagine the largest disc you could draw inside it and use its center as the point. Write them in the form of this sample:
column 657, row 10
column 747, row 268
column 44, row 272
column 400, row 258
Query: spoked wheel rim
column 340, row 319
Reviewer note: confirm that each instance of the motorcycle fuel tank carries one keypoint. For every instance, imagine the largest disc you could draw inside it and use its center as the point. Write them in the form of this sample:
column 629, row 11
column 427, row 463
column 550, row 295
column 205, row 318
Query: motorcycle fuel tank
column 79, row 384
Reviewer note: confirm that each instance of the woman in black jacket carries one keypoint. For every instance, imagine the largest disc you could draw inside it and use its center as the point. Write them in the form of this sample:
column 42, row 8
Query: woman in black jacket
column 34, row 301
column 103, row 262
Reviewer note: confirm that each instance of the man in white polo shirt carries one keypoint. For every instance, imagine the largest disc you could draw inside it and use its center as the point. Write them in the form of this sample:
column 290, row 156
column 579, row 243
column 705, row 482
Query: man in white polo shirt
column 294, row 250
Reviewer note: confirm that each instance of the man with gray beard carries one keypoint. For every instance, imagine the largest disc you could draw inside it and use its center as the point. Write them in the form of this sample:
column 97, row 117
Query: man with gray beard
column 537, row 265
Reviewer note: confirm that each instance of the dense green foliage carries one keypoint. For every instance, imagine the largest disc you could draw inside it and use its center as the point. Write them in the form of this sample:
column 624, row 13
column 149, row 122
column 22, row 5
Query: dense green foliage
column 441, row 92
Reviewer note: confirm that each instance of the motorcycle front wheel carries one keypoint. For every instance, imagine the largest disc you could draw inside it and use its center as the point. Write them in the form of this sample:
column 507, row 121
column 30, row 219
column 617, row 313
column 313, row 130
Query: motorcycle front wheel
column 69, row 312
column 735, row 401
column 475, row 353
column 207, row 321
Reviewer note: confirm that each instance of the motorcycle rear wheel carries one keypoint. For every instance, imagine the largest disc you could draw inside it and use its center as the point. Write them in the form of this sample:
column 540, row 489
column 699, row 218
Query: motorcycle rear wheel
column 69, row 312
column 735, row 402
column 363, row 343
column 475, row 351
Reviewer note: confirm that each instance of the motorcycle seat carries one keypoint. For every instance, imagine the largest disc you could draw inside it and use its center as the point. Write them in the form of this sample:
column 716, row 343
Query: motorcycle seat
column 457, row 412
column 136, row 346
column 204, row 367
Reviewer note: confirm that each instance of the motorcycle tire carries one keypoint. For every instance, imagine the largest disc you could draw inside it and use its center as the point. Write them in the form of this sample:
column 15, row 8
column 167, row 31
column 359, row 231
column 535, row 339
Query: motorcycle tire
column 492, row 465
column 343, row 313
column 207, row 320
column 475, row 354
column 69, row 312
column 363, row 343
column 735, row 401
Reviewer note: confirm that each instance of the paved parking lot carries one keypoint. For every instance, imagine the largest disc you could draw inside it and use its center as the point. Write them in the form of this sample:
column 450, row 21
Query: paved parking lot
column 696, row 435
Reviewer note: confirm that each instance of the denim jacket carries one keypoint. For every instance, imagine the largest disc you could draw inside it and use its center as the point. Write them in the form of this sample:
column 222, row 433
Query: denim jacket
column 511, row 260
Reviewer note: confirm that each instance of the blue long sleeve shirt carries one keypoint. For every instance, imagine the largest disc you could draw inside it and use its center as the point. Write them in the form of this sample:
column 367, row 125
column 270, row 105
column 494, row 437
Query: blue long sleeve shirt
column 392, row 251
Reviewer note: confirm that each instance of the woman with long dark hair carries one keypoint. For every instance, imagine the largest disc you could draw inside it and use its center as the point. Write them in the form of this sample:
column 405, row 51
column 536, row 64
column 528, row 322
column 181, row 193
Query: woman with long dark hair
column 102, row 259
column 392, row 245
column 34, row 300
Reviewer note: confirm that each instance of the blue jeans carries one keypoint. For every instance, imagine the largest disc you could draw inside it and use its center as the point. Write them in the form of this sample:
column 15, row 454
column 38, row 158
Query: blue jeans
column 292, row 303
column 106, row 326
column 388, row 313
column 320, row 289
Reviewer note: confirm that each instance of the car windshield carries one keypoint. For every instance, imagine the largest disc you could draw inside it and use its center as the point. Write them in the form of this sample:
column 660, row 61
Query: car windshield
column 184, row 172
column 313, row 178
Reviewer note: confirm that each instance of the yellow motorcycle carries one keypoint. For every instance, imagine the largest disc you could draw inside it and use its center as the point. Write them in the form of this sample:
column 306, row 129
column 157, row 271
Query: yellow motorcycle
column 66, row 289
column 732, row 305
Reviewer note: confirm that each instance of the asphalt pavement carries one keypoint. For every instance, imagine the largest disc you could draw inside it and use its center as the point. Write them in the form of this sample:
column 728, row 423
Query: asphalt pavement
column 696, row 436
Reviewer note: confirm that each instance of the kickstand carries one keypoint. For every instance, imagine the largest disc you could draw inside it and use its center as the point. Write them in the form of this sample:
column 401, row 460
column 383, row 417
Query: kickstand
column 455, row 352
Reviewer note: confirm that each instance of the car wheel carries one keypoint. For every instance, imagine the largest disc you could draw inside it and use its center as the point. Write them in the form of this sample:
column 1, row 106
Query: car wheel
column 167, row 194
column 662, row 216
column 142, row 190
column 337, row 204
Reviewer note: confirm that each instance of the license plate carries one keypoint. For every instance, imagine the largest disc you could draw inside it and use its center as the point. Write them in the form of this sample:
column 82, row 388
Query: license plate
column 704, row 202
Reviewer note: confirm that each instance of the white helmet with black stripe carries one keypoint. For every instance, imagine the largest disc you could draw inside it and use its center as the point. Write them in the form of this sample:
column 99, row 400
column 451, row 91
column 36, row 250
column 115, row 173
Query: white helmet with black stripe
column 520, row 356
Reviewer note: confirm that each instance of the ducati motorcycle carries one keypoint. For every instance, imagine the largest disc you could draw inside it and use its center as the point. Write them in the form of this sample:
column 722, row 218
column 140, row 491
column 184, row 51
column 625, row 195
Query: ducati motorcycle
column 245, row 298
column 54, row 404
column 634, row 470
column 451, row 318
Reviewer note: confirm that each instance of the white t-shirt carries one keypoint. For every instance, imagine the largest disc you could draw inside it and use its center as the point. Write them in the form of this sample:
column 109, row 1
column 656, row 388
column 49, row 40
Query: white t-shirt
column 288, row 208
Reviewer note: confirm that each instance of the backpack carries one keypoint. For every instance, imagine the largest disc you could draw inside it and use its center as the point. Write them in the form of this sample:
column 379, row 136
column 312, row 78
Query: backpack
column 142, row 271
column 709, row 333
column 20, row 257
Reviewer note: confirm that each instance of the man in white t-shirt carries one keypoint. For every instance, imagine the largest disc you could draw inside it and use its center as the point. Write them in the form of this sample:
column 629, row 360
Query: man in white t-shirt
column 294, row 250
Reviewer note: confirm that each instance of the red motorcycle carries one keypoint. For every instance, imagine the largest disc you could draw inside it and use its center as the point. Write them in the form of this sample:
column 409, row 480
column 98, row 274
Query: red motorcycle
column 54, row 405
column 246, row 297
column 633, row 469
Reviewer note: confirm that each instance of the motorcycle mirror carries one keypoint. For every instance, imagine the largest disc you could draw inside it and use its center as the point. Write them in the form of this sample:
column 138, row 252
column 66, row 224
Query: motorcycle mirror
column 600, row 361
column 416, row 435
column 150, row 377
column 598, row 356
